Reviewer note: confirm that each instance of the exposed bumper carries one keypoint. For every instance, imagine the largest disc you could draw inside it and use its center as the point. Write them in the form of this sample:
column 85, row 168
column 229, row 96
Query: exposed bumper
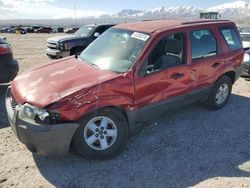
column 56, row 54
column 47, row 140
column 9, row 72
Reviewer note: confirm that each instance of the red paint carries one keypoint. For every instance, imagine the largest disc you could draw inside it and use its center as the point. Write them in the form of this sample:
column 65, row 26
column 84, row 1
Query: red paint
column 76, row 88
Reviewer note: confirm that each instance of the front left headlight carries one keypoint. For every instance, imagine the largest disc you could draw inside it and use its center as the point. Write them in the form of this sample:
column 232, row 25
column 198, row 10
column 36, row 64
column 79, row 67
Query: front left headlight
column 63, row 46
column 33, row 115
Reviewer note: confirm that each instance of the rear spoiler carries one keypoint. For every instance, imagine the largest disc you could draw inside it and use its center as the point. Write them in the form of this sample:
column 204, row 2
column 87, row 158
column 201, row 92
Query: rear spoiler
column 246, row 49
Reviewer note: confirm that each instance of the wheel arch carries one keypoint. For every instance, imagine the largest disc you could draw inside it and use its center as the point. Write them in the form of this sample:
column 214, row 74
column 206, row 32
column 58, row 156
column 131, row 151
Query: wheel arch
column 231, row 74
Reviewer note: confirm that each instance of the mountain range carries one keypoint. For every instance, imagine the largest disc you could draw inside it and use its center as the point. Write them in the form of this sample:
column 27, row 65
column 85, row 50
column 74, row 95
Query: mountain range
column 237, row 9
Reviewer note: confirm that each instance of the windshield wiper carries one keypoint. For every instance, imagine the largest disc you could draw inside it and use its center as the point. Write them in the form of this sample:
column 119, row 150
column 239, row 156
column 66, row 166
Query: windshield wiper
column 94, row 65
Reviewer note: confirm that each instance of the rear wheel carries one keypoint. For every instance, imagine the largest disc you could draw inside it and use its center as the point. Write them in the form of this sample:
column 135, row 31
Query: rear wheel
column 101, row 135
column 220, row 93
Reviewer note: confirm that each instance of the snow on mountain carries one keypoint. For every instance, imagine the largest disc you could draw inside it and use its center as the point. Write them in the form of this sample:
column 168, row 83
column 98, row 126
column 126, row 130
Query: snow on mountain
column 234, row 9
column 129, row 13
column 228, row 10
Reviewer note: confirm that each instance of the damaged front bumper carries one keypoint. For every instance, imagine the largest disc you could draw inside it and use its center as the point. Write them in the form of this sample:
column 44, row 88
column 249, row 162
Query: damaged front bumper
column 47, row 140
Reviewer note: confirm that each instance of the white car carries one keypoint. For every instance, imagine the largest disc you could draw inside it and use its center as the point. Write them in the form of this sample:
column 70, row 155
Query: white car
column 246, row 44
column 245, row 39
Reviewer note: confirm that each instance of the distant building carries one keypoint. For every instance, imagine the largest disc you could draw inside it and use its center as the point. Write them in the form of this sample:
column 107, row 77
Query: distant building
column 209, row 15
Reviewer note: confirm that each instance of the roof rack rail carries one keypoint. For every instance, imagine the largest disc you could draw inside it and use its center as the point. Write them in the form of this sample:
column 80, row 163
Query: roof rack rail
column 204, row 21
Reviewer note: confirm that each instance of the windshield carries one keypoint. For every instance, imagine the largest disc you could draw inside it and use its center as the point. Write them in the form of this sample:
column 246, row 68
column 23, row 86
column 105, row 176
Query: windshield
column 84, row 31
column 245, row 37
column 115, row 50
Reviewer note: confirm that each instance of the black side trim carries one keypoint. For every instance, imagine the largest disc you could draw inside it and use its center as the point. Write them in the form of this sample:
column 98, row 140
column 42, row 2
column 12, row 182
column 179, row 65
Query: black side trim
column 157, row 109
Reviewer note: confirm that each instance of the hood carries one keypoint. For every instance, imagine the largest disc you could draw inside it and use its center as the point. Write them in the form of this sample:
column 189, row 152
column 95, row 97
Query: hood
column 47, row 84
column 63, row 38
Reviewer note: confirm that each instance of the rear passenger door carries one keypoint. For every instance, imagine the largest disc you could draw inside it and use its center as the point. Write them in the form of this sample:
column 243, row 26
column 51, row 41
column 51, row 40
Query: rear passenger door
column 206, row 59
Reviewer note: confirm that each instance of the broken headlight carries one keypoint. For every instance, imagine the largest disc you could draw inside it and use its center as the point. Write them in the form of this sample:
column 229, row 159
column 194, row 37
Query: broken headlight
column 37, row 116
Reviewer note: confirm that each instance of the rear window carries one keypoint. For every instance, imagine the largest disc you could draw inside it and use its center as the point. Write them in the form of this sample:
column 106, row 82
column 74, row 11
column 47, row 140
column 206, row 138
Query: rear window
column 231, row 37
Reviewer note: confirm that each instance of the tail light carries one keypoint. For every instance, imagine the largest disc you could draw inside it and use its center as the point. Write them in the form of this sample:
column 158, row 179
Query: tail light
column 5, row 48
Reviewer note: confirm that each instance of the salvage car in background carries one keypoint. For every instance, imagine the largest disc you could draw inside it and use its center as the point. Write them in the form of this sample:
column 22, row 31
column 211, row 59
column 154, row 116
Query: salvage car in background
column 63, row 46
column 71, row 30
column 246, row 65
column 44, row 30
column 245, row 36
column 8, row 66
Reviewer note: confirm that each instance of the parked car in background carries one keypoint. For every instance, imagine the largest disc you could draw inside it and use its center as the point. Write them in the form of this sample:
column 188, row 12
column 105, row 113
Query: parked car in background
column 44, row 30
column 245, row 36
column 132, row 73
column 7, row 30
column 71, row 30
column 60, row 30
column 246, row 65
column 8, row 66
column 63, row 46
column 21, row 30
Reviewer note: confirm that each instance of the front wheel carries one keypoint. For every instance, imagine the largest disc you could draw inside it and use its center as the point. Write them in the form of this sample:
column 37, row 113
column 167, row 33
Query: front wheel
column 220, row 93
column 101, row 135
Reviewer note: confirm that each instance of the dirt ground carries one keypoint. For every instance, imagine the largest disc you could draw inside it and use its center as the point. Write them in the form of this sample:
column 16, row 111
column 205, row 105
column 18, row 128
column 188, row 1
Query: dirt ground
column 188, row 147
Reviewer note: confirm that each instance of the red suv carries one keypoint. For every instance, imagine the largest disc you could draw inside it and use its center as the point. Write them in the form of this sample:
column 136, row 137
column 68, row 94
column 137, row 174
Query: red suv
column 130, row 74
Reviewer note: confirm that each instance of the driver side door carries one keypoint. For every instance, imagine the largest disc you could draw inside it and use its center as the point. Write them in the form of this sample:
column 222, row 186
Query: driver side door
column 164, row 77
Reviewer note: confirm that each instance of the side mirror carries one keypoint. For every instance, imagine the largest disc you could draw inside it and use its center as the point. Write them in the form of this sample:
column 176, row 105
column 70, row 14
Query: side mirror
column 96, row 35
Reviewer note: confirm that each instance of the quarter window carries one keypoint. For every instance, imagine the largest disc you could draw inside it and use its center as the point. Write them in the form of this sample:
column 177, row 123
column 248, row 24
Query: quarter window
column 203, row 44
column 232, row 38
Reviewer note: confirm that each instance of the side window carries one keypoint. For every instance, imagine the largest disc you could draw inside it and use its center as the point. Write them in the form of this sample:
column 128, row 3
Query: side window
column 203, row 44
column 169, row 52
column 100, row 29
column 231, row 37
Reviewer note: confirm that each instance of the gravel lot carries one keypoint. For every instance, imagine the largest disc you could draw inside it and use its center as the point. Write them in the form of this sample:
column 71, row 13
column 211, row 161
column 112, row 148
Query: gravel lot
column 188, row 147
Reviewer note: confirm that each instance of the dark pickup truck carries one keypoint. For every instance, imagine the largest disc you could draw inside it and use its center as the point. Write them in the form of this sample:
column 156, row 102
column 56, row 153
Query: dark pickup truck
column 63, row 46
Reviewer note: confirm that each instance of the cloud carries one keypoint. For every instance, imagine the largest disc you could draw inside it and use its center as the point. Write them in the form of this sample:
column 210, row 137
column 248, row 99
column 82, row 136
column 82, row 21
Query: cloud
column 40, row 9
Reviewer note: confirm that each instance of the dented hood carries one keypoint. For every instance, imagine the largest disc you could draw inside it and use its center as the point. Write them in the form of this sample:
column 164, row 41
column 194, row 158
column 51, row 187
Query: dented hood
column 46, row 84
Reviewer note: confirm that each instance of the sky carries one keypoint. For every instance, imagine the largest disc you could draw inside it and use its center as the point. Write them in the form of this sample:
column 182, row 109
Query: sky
column 47, row 9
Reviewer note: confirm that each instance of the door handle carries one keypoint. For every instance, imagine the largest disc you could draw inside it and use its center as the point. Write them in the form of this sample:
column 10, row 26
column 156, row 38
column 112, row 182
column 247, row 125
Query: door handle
column 176, row 76
column 215, row 65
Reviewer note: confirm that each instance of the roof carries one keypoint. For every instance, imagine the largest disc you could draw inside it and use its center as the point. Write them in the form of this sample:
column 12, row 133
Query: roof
column 151, row 26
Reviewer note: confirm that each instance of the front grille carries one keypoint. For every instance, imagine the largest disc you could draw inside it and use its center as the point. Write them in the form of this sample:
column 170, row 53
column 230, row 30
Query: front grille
column 52, row 45
column 13, row 102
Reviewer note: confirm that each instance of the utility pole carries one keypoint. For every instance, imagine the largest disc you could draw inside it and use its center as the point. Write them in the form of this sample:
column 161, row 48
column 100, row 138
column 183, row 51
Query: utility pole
column 75, row 12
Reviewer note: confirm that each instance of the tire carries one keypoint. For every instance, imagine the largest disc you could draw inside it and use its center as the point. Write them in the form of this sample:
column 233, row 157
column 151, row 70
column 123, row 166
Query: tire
column 215, row 102
column 88, row 145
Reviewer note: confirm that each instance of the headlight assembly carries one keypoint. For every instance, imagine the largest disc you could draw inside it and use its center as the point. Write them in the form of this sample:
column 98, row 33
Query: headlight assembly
column 34, row 115
column 63, row 46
